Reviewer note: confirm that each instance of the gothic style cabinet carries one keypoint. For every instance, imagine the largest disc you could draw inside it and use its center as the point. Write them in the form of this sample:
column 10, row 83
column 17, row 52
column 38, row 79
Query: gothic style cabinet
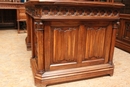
column 11, row 13
column 123, row 35
column 71, row 40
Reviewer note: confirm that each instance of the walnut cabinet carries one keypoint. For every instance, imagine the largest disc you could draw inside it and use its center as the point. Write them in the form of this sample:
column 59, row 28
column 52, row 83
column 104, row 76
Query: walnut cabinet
column 71, row 40
column 123, row 33
column 11, row 13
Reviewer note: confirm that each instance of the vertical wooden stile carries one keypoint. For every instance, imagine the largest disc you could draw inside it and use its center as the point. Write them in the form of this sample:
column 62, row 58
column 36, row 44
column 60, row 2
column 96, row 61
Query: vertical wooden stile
column 32, row 37
column 107, row 43
column 113, row 43
column 81, row 41
column 47, row 46
column 40, row 48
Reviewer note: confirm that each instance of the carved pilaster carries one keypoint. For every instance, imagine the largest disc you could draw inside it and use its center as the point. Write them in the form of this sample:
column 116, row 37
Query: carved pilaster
column 39, row 43
column 113, row 39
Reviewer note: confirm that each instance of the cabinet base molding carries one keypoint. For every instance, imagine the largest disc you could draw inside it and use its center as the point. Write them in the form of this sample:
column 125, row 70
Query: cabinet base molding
column 60, row 76
column 122, row 45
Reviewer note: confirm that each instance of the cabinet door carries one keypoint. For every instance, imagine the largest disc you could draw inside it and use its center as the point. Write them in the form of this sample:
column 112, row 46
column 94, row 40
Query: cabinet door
column 21, row 14
column 126, row 32
column 76, row 44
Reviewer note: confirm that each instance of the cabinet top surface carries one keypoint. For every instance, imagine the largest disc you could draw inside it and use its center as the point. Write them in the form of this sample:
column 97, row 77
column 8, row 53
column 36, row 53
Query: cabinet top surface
column 74, row 2
column 12, row 3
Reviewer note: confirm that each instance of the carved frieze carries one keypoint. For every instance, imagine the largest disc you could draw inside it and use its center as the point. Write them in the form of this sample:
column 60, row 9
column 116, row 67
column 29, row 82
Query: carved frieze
column 77, row 11
column 73, row 12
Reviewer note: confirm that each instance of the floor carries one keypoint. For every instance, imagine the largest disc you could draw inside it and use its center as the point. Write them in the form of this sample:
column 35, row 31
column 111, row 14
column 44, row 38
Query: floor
column 15, row 70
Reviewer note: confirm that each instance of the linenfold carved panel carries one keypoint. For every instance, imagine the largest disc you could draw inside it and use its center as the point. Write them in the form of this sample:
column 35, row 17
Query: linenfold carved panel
column 64, row 44
column 94, row 42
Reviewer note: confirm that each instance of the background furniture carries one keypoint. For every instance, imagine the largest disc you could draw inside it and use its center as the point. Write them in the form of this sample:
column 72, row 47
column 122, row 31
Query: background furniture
column 71, row 40
column 21, row 17
column 123, row 34
column 7, row 18
column 11, row 12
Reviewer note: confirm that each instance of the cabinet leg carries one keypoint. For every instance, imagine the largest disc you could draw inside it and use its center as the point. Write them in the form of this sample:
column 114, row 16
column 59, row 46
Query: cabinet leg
column 111, row 74
column 18, row 27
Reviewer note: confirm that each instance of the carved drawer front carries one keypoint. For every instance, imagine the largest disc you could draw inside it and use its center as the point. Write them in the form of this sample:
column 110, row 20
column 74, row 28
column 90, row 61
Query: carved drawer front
column 21, row 14
column 75, row 44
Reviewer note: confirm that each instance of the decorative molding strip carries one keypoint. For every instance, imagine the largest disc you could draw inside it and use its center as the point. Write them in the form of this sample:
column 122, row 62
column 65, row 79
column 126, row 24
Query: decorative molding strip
column 10, row 6
column 77, row 11
column 52, row 11
column 7, row 6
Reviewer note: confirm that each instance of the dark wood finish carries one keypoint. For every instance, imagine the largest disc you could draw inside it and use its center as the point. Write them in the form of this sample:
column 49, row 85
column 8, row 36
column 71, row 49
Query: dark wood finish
column 11, row 6
column 19, row 8
column 7, row 18
column 71, row 40
column 123, row 35
column 126, row 9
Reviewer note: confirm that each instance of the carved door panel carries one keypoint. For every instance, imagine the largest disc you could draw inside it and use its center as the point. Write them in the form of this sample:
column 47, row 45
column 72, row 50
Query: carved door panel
column 75, row 44
column 126, row 32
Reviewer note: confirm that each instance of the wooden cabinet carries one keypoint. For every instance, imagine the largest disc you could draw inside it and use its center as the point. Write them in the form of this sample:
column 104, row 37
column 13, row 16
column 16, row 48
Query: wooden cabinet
column 71, row 41
column 21, row 17
column 11, row 13
column 123, row 35
column 7, row 18
column 21, row 14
